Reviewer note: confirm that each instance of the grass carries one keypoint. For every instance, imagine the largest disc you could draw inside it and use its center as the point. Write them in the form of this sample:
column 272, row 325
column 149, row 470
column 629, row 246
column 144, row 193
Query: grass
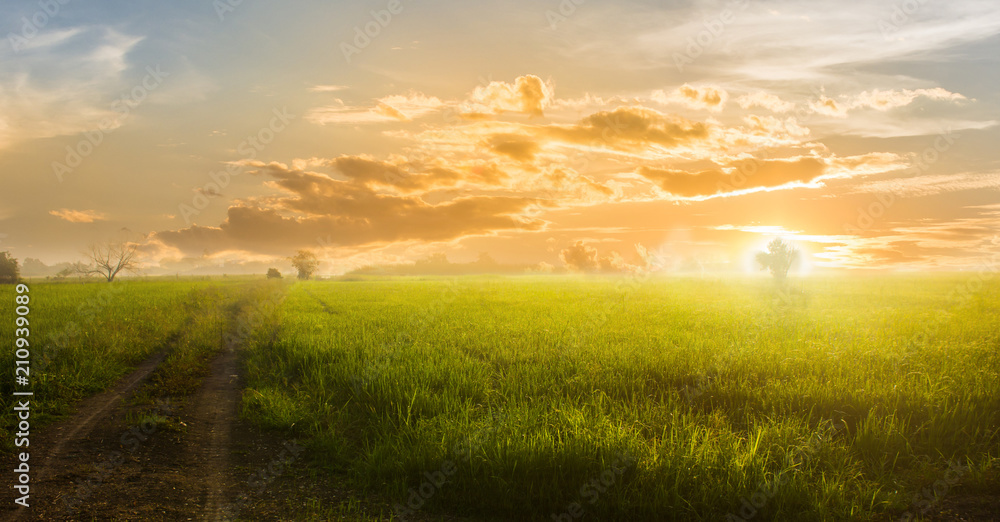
column 85, row 336
column 564, row 398
column 836, row 399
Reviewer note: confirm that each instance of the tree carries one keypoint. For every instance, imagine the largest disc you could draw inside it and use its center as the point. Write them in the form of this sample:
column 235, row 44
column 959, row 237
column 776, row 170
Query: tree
column 486, row 260
column 778, row 258
column 273, row 273
column 10, row 273
column 110, row 258
column 306, row 263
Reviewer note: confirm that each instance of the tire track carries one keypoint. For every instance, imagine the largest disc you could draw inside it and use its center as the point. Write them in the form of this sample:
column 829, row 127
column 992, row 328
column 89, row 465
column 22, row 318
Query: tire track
column 90, row 413
column 187, row 472
column 215, row 407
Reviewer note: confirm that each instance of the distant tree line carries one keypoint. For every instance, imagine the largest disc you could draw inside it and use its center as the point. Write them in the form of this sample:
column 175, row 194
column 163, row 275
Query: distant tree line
column 10, row 272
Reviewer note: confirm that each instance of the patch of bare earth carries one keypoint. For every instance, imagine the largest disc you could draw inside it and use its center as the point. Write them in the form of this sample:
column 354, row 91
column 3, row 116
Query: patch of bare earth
column 104, row 464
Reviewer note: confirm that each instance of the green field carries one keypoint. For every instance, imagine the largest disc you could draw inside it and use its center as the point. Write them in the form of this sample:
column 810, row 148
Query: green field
column 85, row 336
column 850, row 393
column 563, row 398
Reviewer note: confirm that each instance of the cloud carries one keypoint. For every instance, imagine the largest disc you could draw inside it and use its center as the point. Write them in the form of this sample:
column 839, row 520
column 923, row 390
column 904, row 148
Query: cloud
column 880, row 100
column 925, row 243
column 391, row 112
column 706, row 97
column 520, row 148
column 829, row 107
column 412, row 105
column 628, row 128
column 528, row 94
column 327, row 88
column 402, row 175
column 58, row 85
column 793, row 44
column 771, row 126
column 889, row 99
column 78, row 216
column 928, row 185
column 564, row 180
column 339, row 112
column 749, row 175
column 388, row 109
column 348, row 213
column 765, row 100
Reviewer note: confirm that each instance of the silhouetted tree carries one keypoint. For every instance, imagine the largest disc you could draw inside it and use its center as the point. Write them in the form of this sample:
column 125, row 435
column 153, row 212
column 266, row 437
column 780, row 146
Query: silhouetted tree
column 10, row 273
column 273, row 273
column 778, row 258
column 110, row 258
column 306, row 263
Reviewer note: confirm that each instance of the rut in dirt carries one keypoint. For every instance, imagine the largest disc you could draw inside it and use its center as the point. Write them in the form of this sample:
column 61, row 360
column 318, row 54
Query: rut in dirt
column 62, row 443
column 211, row 421
column 90, row 472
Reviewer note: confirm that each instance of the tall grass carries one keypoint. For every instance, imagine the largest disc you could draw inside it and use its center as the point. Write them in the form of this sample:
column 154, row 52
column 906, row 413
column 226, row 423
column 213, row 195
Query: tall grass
column 85, row 336
column 836, row 399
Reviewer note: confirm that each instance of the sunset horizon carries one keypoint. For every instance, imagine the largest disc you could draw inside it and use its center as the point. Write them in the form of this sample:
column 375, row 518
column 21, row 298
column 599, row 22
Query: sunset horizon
column 226, row 137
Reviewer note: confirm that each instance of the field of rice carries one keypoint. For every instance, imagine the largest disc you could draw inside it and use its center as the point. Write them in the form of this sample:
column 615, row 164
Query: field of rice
column 561, row 398
column 685, row 399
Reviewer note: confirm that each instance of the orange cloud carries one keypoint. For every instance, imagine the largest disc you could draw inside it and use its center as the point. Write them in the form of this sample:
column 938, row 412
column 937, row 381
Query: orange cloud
column 628, row 128
column 518, row 147
column 78, row 216
column 707, row 97
column 397, row 107
column 765, row 100
column 528, row 94
column 349, row 213
column 881, row 100
column 399, row 174
column 749, row 175
column 829, row 107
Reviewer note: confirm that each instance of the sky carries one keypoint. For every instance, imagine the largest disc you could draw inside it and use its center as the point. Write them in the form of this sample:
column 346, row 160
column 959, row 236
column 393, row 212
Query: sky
column 577, row 134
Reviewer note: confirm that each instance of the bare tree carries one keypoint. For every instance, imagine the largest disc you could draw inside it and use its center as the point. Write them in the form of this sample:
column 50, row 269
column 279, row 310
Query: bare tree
column 109, row 259
column 778, row 258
